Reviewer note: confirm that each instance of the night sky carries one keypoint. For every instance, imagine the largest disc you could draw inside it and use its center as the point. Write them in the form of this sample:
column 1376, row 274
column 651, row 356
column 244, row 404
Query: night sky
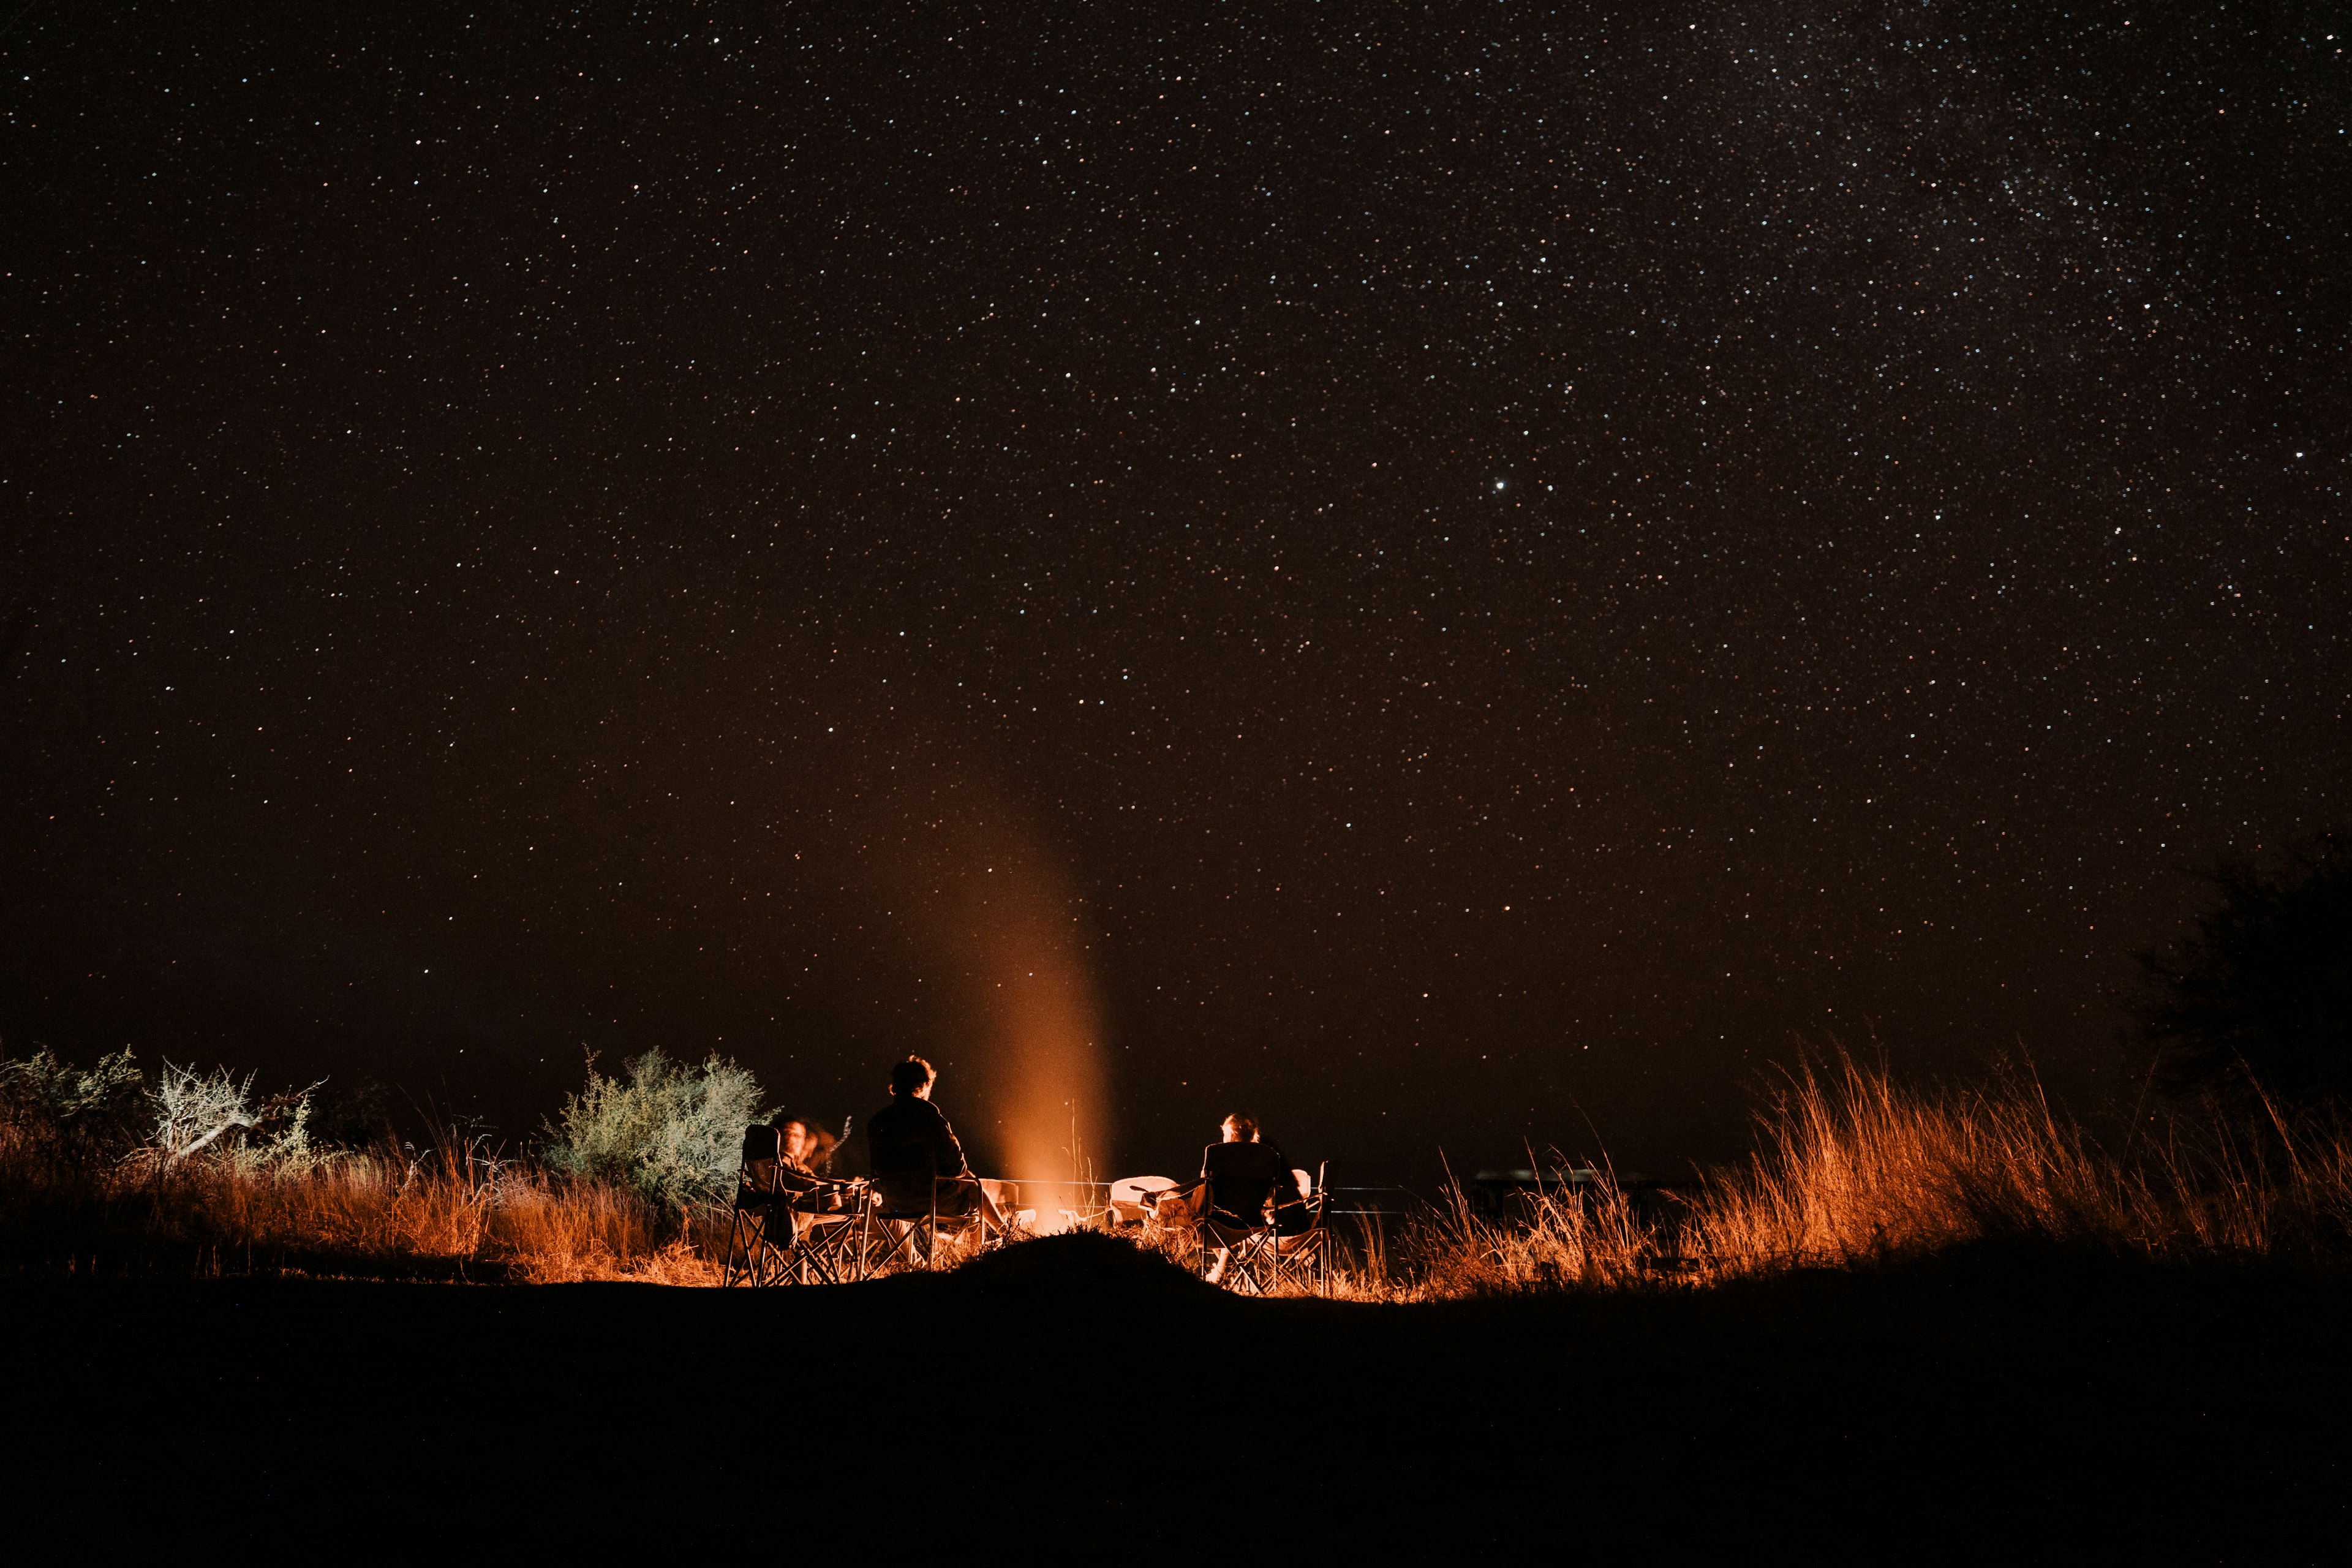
column 1451, row 575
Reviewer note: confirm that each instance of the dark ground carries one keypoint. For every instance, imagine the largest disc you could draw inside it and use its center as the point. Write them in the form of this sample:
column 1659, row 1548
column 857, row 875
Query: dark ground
column 1991, row 1405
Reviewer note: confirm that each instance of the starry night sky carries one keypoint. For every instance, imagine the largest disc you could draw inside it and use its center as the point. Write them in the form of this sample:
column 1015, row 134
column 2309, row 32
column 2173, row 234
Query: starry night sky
column 1482, row 570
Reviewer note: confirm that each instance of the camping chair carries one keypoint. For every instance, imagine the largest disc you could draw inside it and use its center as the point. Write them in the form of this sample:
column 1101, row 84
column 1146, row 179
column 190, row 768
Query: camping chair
column 1237, row 1220
column 931, row 1206
column 825, row 1243
column 1302, row 1243
column 755, row 1254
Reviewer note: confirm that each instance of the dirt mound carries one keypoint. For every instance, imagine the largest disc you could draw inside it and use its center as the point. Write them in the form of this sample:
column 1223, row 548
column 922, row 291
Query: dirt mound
column 1078, row 1261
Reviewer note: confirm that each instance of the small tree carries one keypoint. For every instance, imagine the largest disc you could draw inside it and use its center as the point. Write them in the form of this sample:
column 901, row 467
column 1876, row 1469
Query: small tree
column 194, row 1111
column 215, row 1113
column 672, row 1132
column 2256, row 1001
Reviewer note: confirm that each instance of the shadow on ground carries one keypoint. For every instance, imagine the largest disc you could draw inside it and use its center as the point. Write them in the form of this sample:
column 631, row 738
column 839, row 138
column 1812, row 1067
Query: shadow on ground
column 1065, row 1396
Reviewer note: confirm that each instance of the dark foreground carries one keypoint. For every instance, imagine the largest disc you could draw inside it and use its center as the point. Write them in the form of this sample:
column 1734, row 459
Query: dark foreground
column 2027, row 1405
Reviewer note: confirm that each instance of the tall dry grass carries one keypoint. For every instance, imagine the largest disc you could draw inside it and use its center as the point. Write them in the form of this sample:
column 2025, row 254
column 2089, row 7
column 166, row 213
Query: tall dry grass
column 100, row 1169
column 453, row 1210
column 1589, row 1238
column 1851, row 1166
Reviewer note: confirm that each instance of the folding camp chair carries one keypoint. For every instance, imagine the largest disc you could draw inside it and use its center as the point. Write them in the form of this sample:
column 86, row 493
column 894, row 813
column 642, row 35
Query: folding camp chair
column 756, row 1255
column 1236, row 1218
column 1302, row 1242
column 931, row 1208
column 826, row 1248
column 1247, row 1266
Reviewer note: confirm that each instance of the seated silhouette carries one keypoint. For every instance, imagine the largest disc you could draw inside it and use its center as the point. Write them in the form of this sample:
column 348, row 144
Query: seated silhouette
column 917, row 1165
column 1244, row 1180
column 1245, row 1175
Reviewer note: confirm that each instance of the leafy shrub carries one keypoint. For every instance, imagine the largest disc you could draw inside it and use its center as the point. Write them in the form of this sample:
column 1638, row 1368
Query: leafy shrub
column 104, row 1169
column 672, row 1132
column 60, row 1115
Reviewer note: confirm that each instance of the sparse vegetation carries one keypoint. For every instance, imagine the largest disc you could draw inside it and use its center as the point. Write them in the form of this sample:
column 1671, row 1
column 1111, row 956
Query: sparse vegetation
column 1851, row 1168
column 99, row 1171
column 672, row 1132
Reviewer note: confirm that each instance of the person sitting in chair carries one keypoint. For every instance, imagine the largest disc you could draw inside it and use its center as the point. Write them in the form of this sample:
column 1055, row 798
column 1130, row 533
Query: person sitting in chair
column 792, row 1147
column 808, row 1148
column 797, row 1183
column 913, row 1155
column 778, row 1177
column 1244, row 1177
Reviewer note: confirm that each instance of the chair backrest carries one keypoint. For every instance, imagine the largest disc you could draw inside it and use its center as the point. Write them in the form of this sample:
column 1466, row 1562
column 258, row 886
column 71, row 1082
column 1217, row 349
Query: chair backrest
column 906, row 1176
column 1238, row 1200
column 763, row 1152
column 1303, row 1215
column 1245, row 1179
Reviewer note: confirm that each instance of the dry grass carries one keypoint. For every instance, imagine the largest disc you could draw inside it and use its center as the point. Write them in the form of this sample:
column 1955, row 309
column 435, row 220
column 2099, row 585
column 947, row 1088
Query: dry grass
column 1851, row 1168
column 1590, row 1239
column 453, row 1210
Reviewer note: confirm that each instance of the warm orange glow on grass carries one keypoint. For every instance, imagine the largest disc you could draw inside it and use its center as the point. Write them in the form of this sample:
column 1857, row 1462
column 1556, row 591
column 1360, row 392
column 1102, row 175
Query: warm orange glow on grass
column 1851, row 1167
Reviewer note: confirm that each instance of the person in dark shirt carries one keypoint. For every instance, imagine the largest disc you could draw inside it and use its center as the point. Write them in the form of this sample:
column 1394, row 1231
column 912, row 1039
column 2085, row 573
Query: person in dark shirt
column 913, row 1153
column 1245, row 1178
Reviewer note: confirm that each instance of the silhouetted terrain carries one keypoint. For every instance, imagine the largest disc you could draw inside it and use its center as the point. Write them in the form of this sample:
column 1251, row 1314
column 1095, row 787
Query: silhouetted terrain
column 1075, row 1393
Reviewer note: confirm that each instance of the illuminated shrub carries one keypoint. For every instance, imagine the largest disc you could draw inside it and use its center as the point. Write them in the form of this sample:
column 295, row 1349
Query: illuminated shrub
column 673, row 1132
column 55, row 1112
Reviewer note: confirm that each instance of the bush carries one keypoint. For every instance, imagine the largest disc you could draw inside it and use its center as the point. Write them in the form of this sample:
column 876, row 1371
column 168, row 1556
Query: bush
column 103, row 1169
column 671, row 1132
column 61, row 1116
column 194, row 1113
column 2254, row 1006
